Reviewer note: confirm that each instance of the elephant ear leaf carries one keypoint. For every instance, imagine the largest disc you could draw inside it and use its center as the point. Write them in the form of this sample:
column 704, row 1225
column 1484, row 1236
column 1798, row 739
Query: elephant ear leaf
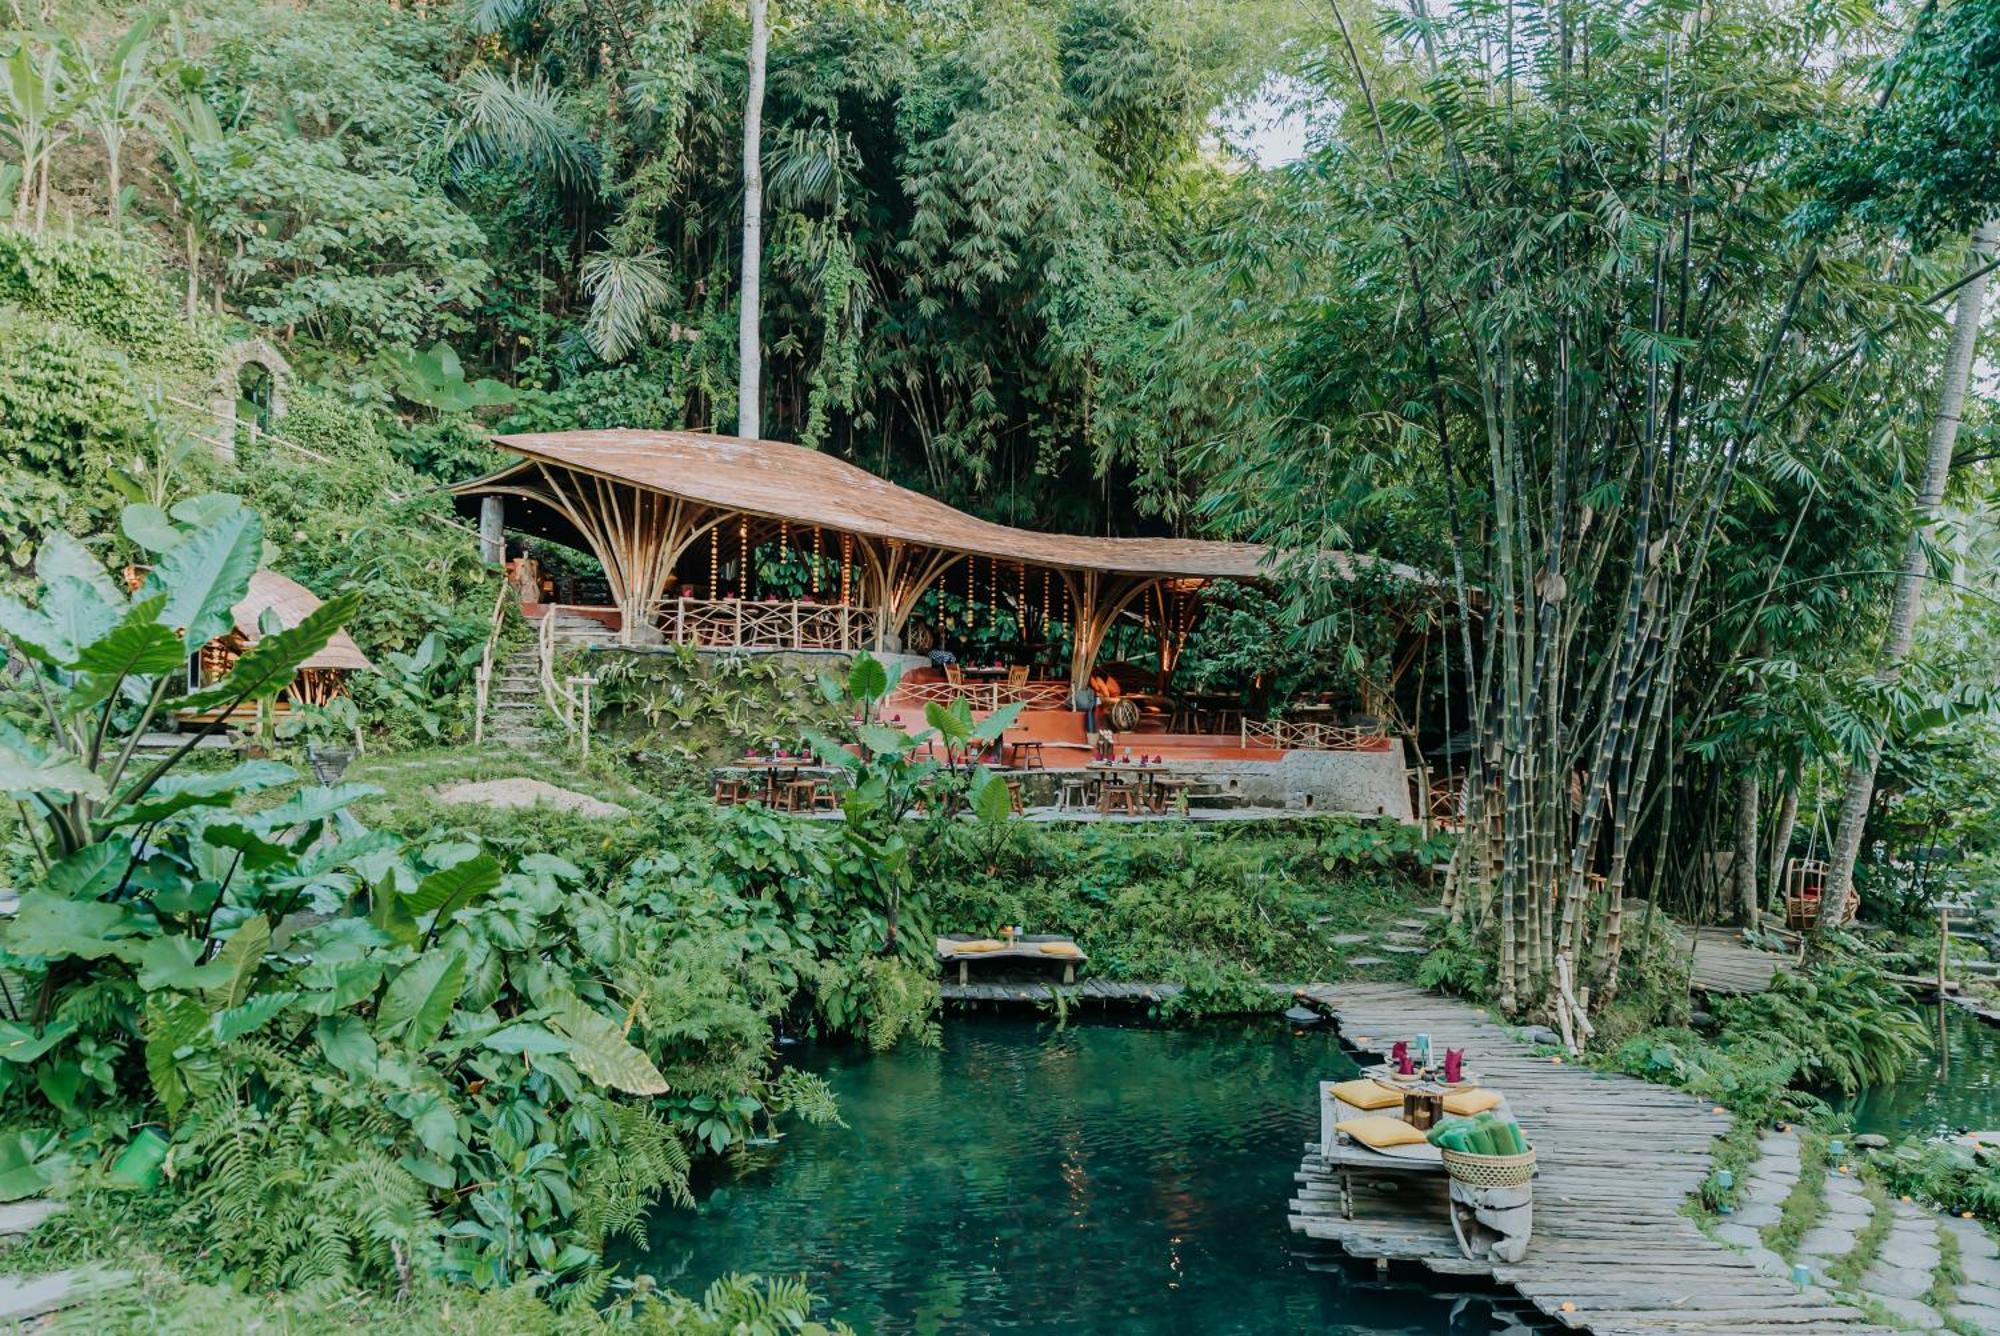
column 598, row 1047
column 178, row 1059
column 994, row 804
column 242, row 955
column 451, row 889
column 206, row 574
column 421, row 997
column 22, row 778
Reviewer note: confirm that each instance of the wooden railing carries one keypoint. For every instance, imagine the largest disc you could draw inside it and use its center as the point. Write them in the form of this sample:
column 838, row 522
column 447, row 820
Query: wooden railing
column 483, row 678
column 1310, row 735
column 735, row 623
column 988, row 696
column 568, row 699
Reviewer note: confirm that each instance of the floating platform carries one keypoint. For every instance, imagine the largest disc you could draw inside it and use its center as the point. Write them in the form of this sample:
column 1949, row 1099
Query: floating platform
column 1612, row 1251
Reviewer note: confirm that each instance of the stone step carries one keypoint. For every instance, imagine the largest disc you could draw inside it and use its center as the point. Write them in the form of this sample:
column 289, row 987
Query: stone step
column 24, row 1298
column 18, row 1218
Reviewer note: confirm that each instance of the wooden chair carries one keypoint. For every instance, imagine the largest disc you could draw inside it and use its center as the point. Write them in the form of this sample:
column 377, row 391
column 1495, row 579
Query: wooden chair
column 1121, row 795
column 1017, row 675
column 1028, row 755
column 1805, row 887
column 954, row 674
column 730, row 791
column 823, row 798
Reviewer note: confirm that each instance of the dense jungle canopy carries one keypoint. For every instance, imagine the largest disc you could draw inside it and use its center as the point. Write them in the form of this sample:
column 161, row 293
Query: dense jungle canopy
column 1653, row 329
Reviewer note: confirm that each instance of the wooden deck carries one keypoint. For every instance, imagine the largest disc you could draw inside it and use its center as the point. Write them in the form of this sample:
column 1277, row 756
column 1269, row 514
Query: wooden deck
column 1722, row 961
column 1089, row 990
column 1618, row 1159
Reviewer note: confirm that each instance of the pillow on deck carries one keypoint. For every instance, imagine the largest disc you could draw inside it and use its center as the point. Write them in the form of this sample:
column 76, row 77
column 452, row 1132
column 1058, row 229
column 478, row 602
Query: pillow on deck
column 1060, row 949
column 1465, row 1103
column 1380, row 1133
column 1366, row 1096
column 977, row 946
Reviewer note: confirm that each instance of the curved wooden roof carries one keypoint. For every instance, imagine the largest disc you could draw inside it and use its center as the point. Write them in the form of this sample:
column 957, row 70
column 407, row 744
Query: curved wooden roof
column 782, row 481
column 292, row 601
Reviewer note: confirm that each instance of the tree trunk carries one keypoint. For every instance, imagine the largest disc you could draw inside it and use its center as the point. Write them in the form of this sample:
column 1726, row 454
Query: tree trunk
column 1909, row 585
column 749, row 348
column 1748, row 902
column 1781, row 837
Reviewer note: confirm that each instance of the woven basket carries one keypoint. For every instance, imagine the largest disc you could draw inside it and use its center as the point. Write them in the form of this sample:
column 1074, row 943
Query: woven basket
column 1489, row 1171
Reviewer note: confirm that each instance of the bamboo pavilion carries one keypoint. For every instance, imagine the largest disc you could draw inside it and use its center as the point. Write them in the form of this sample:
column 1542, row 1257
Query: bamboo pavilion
column 726, row 542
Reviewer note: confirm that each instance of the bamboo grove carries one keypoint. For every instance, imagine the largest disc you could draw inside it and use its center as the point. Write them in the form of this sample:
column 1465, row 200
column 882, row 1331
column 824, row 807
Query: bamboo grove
column 1581, row 314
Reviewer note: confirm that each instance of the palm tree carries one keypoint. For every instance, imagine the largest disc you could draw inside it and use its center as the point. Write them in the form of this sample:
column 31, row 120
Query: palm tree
column 1860, row 788
column 749, row 347
column 507, row 118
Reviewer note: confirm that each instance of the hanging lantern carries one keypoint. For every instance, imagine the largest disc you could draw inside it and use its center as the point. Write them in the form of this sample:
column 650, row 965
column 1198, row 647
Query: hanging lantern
column 1045, row 603
column 817, row 543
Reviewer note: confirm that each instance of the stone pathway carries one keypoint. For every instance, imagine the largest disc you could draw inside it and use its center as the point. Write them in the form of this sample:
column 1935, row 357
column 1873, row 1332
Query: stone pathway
column 25, row 1298
column 1904, row 1272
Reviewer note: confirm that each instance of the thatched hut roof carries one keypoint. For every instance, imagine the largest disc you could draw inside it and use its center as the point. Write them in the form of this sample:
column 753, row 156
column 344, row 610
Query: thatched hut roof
column 292, row 601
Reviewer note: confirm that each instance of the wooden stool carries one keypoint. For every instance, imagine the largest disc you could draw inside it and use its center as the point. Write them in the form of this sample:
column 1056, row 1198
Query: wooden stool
column 1122, row 795
column 1014, row 797
column 730, row 792
column 1028, row 755
column 1076, row 793
column 797, row 795
column 1169, row 787
column 822, row 798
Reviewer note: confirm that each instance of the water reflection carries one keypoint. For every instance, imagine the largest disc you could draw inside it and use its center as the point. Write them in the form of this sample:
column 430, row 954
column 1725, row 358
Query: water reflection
column 1956, row 1086
column 1104, row 1179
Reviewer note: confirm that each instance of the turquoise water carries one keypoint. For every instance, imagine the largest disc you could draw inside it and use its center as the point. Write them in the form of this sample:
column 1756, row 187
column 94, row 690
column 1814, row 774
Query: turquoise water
column 1020, row 1179
column 1955, row 1087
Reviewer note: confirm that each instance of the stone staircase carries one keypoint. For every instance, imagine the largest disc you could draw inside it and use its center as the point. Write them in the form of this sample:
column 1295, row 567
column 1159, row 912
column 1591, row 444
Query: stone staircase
column 515, row 716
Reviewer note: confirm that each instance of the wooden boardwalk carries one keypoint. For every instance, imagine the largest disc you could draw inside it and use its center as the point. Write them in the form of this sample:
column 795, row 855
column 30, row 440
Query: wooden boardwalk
column 1087, row 990
column 1721, row 961
column 1618, row 1159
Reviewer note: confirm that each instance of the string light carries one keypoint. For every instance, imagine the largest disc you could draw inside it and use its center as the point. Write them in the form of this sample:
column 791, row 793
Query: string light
column 846, row 564
column 816, row 555
column 714, row 558
column 1045, row 603
column 743, row 564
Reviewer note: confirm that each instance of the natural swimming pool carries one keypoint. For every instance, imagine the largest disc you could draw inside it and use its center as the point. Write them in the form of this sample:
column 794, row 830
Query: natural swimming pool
column 1099, row 1178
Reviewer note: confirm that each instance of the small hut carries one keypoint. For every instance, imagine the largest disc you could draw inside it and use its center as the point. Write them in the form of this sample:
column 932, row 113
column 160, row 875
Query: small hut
column 322, row 677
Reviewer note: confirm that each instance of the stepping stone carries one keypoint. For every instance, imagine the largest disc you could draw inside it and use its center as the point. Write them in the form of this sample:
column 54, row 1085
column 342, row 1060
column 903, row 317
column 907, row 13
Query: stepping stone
column 1739, row 1236
column 1980, row 1270
column 1758, row 1215
column 1921, row 1316
column 1366, row 960
column 25, row 1298
column 1398, row 949
column 1412, row 923
column 20, row 1217
column 1978, row 1317
column 1352, row 939
column 1973, row 1240
column 1826, row 1243
column 1768, row 1262
column 1982, row 1296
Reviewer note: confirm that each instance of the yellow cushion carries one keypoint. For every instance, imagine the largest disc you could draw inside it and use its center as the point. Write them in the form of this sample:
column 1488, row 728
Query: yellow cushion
column 1465, row 1103
column 1060, row 949
column 1366, row 1095
column 981, row 944
column 1380, row 1133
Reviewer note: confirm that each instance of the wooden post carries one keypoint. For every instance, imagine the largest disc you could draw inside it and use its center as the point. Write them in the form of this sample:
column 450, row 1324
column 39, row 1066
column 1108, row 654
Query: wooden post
column 1944, row 945
column 493, row 530
column 796, row 642
column 680, row 619
column 584, row 707
column 736, row 638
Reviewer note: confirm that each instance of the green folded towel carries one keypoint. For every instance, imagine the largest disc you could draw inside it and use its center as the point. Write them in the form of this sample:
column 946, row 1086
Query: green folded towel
column 1483, row 1135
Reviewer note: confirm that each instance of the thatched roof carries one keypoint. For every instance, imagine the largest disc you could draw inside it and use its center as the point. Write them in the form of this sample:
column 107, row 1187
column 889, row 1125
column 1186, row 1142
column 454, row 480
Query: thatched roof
column 781, row 481
column 292, row 601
